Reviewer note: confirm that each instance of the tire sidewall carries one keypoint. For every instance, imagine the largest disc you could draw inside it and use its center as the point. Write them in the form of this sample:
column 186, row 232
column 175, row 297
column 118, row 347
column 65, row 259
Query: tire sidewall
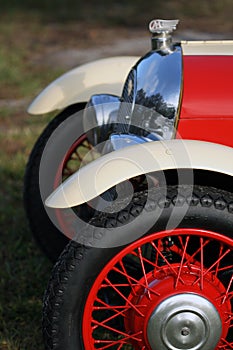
column 48, row 236
column 83, row 264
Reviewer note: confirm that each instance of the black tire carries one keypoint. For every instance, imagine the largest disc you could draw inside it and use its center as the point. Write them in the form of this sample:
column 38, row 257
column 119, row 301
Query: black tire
column 79, row 269
column 47, row 235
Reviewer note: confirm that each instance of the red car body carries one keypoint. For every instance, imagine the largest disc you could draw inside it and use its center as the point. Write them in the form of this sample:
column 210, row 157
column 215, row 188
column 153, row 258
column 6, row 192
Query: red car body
column 207, row 101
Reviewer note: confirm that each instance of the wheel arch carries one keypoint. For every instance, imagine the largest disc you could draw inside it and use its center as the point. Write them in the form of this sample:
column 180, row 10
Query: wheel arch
column 118, row 166
column 77, row 85
column 201, row 177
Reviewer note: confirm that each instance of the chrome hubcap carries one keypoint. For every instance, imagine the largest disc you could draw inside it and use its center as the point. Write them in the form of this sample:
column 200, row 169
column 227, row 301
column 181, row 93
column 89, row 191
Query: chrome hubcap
column 184, row 321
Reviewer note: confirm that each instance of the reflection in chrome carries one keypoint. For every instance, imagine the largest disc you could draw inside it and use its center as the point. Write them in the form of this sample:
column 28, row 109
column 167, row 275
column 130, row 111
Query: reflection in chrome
column 99, row 117
column 156, row 89
column 149, row 104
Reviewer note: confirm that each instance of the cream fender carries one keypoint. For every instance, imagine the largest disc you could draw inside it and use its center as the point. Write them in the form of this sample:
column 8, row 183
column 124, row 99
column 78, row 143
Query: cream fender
column 113, row 168
column 105, row 76
column 77, row 85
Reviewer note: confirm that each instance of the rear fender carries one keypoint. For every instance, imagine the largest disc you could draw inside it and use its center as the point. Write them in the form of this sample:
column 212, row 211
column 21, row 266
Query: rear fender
column 115, row 167
column 77, row 85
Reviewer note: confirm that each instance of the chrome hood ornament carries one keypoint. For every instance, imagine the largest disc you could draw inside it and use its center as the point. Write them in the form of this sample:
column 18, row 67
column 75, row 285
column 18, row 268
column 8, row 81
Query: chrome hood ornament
column 163, row 25
column 161, row 34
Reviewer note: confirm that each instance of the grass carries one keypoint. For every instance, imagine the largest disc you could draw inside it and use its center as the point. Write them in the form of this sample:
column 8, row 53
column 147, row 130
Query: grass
column 20, row 76
column 28, row 32
column 213, row 15
column 24, row 270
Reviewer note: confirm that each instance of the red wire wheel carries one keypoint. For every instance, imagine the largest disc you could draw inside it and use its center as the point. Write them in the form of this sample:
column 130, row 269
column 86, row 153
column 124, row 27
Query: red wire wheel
column 57, row 165
column 169, row 290
column 79, row 154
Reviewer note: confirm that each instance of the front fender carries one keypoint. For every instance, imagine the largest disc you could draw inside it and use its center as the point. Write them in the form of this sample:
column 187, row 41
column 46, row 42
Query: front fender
column 77, row 85
column 113, row 168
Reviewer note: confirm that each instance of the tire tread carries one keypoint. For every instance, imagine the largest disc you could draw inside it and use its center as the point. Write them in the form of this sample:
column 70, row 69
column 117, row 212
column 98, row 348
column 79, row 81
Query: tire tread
column 74, row 253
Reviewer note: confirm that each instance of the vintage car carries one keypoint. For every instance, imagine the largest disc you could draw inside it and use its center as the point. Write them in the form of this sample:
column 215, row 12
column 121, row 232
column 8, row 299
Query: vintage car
column 135, row 175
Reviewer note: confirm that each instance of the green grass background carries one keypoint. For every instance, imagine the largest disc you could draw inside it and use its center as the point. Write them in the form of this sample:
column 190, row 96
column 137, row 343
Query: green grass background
column 27, row 29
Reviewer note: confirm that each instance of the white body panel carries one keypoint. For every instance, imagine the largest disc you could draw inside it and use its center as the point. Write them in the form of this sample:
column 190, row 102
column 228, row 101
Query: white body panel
column 102, row 76
column 106, row 76
column 209, row 48
column 113, row 168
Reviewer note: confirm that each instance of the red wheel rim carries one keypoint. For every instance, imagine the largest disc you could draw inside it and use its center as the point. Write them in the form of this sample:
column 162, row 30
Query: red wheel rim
column 169, row 290
column 79, row 154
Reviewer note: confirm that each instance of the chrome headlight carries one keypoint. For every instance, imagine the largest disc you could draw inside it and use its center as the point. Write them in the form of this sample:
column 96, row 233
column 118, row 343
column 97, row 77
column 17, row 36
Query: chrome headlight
column 151, row 95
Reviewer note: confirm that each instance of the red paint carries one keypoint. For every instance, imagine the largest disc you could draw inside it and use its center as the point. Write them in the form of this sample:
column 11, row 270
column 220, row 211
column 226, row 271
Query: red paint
column 65, row 217
column 211, row 130
column 207, row 102
column 134, row 294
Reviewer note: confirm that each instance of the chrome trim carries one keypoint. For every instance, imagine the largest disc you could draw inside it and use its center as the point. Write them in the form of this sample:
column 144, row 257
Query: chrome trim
column 158, row 87
column 161, row 34
column 163, row 25
column 150, row 101
column 100, row 116
column 127, row 104
column 119, row 141
column 184, row 321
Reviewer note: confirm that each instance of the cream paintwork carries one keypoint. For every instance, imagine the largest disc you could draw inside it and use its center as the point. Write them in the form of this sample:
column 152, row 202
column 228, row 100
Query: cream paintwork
column 78, row 85
column 223, row 48
column 106, row 76
column 113, row 168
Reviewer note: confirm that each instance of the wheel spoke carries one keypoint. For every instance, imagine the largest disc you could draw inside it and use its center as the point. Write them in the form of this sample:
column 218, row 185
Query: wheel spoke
column 110, row 318
column 117, row 331
column 127, row 276
column 214, row 266
column 153, row 269
column 139, row 250
column 154, row 264
column 122, row 341
column 76, row 155
column 182, row 261
column 136, row 282
column 226, row 345
column 228, row 293
column 190, row 258
column 202, row 264
column 166, row 261
column 106, row 306
column 124, row 297
column 219, row 260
